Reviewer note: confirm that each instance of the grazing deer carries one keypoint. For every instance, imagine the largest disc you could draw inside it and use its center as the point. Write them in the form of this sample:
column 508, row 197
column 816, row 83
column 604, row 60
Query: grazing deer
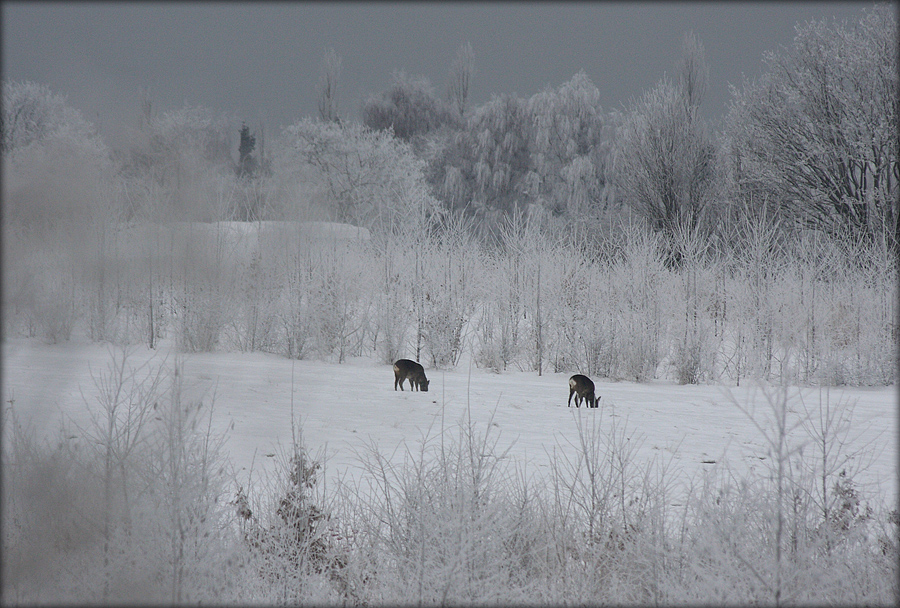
column 404, row 369
column 582, row 388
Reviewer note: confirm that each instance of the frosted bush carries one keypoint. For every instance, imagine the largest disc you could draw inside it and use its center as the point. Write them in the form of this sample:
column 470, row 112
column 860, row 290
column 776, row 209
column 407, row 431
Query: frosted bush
column 292, row 544
column 634, row 349
column 442, row 335
column 461, row 527
column 201, row 320
column 253, row 322
column 127, row 509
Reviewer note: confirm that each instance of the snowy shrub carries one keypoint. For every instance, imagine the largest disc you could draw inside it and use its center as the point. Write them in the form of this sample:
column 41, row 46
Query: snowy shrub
column 695, row 349
column 208, row 261
column 693, row 356
column 295, row 550
column 495, row 347
column 131, row 507
column 511, row 326
column 799, row 524
column 500, row 332
column 626, row 332
column 447, row 271
column 812, row 312
column 55, row 313
column 452, row 523
column 392, row 288
column 741, row 545
column 334, row 296
column 634, row 349
column 688, row 361
column 201, row 319
column 394, row 321
column 613, row 513
column 574, row 306
column 39, row 290
column 253, row 324
column 127, row 509
column 442, row 333
column 294, row 315
column 456, row 522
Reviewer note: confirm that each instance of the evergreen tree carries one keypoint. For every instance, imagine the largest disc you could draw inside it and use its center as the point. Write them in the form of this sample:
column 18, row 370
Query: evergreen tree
column 247, row 164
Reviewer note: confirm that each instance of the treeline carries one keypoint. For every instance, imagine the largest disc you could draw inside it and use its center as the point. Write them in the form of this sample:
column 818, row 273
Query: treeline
column 631, row 243
column 812, row 142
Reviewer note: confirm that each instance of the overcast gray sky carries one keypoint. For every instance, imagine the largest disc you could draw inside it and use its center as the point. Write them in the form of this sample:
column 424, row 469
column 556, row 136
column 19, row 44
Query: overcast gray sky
column 261, row 61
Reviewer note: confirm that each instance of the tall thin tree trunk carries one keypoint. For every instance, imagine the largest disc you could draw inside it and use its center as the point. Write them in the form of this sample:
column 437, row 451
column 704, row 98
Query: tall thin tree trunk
column 539, row 321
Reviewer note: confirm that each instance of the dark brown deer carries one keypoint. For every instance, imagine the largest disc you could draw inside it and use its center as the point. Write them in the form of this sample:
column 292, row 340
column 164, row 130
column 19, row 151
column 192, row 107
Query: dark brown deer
column 404, row 369
column 583, row 389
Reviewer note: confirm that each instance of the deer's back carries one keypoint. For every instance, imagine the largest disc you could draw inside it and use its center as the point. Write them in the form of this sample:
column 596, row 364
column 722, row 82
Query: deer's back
column 581, row 384
column 408, row 368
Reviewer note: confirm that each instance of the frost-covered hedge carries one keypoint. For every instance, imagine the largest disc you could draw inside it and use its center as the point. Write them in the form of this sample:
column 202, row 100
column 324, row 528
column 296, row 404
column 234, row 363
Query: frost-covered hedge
column 814, row 310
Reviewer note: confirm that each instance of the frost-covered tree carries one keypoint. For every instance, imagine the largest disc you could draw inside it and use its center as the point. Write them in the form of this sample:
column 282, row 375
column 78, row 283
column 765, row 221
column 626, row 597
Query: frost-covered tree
column 360, row 176
column 328, row 86
column 568, row 151
column 33, row 113
column 247, row 164
column 692, row 70
column 58, row 201
column 499, row 138
column 195, row 127
column 461, row 79
column 409, row 107
column 54, row 161
column 816, row 135
column 177, row 164
column 545, row 152
column 665, row 157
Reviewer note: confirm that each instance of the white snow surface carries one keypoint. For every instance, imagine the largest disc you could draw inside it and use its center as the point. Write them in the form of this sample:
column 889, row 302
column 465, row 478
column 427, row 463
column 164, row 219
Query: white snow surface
column 344, row 406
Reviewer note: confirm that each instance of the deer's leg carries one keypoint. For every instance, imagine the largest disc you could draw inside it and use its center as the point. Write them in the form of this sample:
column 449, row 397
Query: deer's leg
column 571, row 392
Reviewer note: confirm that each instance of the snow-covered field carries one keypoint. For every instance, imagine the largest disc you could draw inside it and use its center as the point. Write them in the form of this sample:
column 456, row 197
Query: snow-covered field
column 342, row 407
